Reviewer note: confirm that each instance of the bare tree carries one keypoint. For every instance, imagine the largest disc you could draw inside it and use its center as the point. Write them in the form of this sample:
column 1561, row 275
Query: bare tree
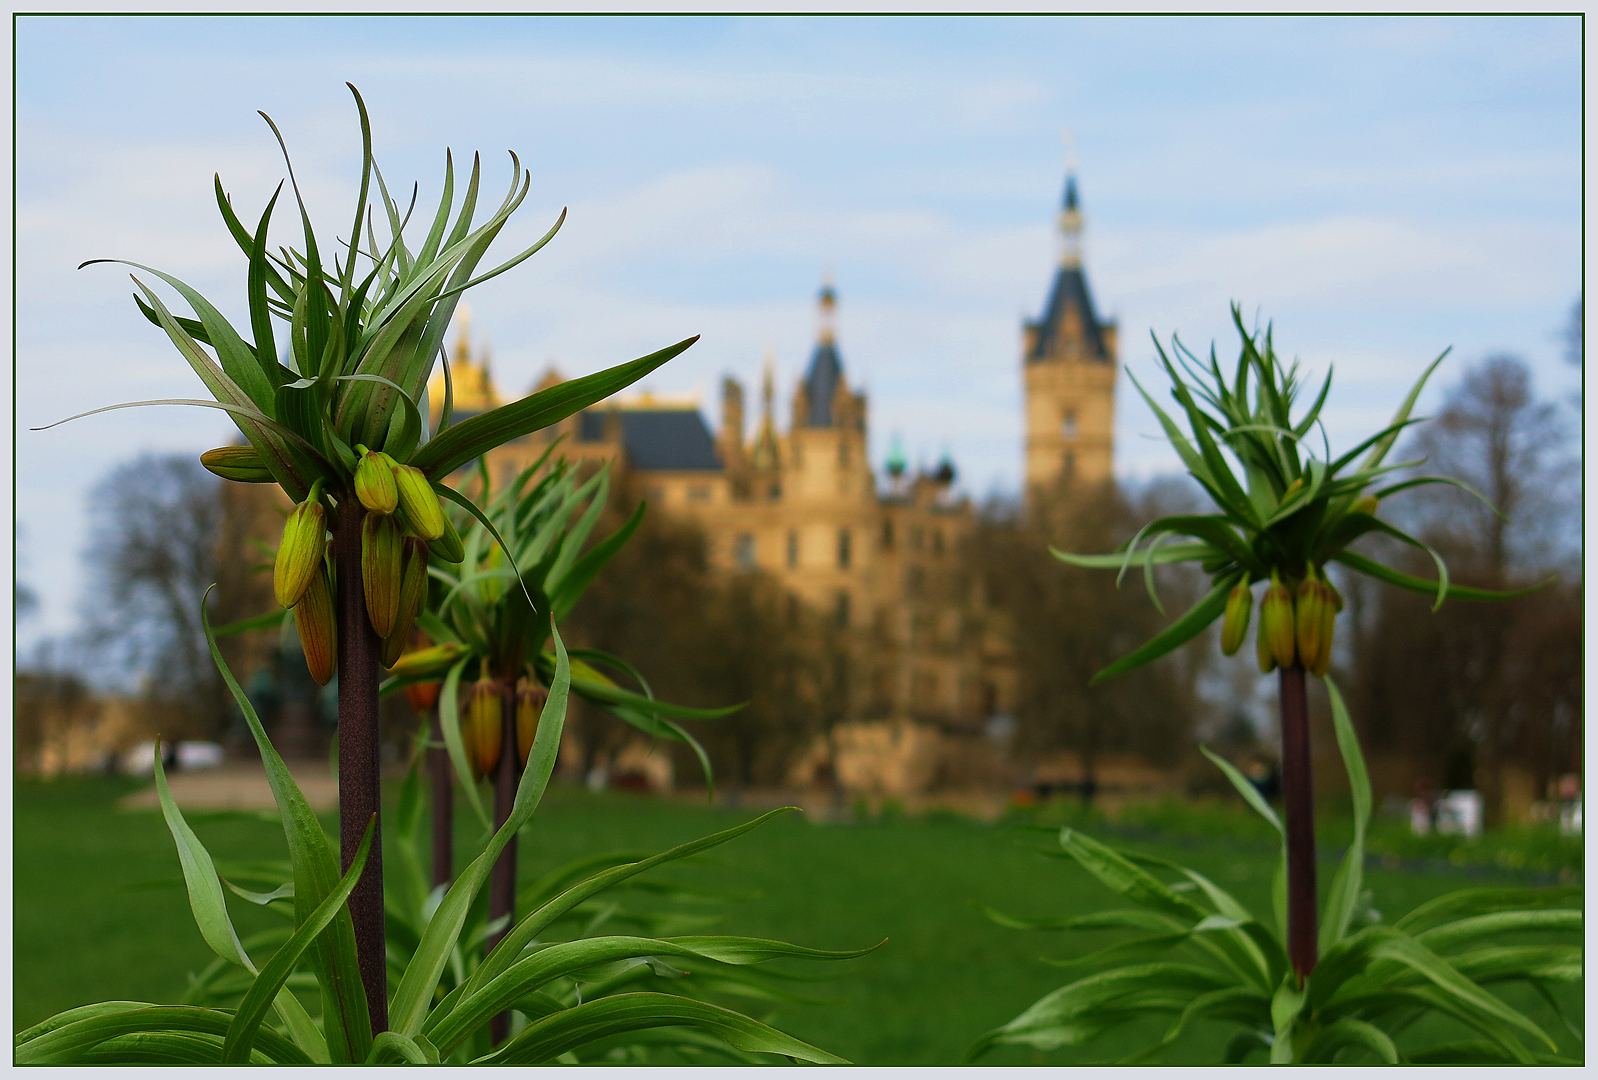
column 1477, row 687
column 154, row 526
column 1067, row 624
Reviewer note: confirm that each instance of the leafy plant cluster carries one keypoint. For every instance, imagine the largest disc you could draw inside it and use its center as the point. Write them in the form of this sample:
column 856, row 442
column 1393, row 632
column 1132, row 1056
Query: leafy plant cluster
column 1372, row 983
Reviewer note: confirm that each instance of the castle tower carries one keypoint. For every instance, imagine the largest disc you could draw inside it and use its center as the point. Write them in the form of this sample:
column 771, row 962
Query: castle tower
column 828, row 437
column 1069, row 361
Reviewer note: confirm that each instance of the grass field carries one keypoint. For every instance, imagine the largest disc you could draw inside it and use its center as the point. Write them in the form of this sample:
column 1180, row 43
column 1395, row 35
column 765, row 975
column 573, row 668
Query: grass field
column 90, row 925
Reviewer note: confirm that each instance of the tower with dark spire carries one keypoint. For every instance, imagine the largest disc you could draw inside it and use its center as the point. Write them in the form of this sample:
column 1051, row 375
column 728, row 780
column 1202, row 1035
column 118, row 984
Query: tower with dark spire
column 1068, row 360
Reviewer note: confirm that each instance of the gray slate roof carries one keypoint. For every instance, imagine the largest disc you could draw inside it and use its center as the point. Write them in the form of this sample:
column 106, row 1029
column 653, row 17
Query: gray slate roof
column 821, row 382
column 1070, row 288
column 657, row 439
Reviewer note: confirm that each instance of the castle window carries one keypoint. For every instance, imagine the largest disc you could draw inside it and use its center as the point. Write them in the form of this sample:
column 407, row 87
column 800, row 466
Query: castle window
column 914, row 579
column 840, row 611
column 937, row 541
column 1068, row 468
column 843, row 453
column 699, row 493
column 793, row 548
column 793, row 612
column 845, row 548
column 744, row 551
column 916, row 538
column 887, row 534
column 1068, row 425
column 775, row 491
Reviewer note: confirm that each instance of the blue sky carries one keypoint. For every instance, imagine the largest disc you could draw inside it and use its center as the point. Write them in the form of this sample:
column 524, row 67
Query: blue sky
column 1380, row 188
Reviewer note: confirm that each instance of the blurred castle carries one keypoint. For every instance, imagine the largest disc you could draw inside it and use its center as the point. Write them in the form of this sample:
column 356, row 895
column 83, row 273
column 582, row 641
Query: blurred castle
column 879, row 557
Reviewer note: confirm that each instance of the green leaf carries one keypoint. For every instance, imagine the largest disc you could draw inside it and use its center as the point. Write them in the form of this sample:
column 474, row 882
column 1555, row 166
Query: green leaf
column 451, row 449
column 1185, row 629
column 527, row 930
column 258, row 622
column 1376, row 570
column 1402, row 416
column 1343, row 896
column 569, row 958
column 1174, row 553
column 206, row 898
column 1454, row 935
column 449, row 722
column 68, row 1043
column 548, row 1038
column 1346, row 1033
column 1250, row 793
column 344, row 1015
column 242, row 1032
column 1467, row 902
column 1049, row 1021
column 1120, row 874
column 416, row 988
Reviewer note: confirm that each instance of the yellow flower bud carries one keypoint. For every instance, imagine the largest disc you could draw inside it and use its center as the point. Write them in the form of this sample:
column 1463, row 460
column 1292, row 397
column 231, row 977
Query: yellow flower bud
column 530, row 699
column 318, row 627
column 381, row 574
column 419, row 501
column 1323, row 661
column 374, row 482
column 448, row 547
column 1262, row 646
column 1239, row 605
column 239, row 463
column 1309, row 620
column 481, row 727
column 1365, row 504
column 1276, row 622
column 299, row 554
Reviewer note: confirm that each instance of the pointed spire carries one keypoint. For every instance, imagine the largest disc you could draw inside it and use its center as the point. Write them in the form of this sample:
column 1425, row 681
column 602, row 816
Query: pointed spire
column 1071, row 225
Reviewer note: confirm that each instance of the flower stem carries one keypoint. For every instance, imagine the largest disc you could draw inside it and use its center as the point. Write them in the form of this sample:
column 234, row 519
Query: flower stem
column 1299, row 794
column 359, row 787
column 502, row 879
column 441, row 772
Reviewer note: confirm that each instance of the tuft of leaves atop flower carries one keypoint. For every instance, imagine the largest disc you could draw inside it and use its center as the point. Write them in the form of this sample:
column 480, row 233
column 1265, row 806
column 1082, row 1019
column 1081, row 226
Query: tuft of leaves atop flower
column 1282, row 512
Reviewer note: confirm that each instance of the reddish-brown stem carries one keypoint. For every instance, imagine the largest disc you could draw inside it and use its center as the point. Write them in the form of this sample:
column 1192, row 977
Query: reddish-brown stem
column 502, row 879
column 1299, row 795
column 441, row 773
column 359, row 785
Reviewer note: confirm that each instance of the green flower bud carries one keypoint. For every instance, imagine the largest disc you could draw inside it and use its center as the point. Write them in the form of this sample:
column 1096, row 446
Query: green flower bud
column 1292, row 489
column 239, row 463
column 530, row 699
column 299, row 554
column 433, row 660
column 1276, row 622
column 318, row 627
column 481, row 727
column 381, row 571
column 1262, row 646
column 413, row 590
column 448, row 546
column 419, row 501
column 374, row 482
column 1239, row 605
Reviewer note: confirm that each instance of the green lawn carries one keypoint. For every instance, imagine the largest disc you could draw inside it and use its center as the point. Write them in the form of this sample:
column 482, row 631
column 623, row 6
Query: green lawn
column 89, row 925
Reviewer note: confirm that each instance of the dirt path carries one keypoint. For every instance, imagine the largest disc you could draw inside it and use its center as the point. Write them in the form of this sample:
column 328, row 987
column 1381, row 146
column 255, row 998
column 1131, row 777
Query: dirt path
column 238, row 786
